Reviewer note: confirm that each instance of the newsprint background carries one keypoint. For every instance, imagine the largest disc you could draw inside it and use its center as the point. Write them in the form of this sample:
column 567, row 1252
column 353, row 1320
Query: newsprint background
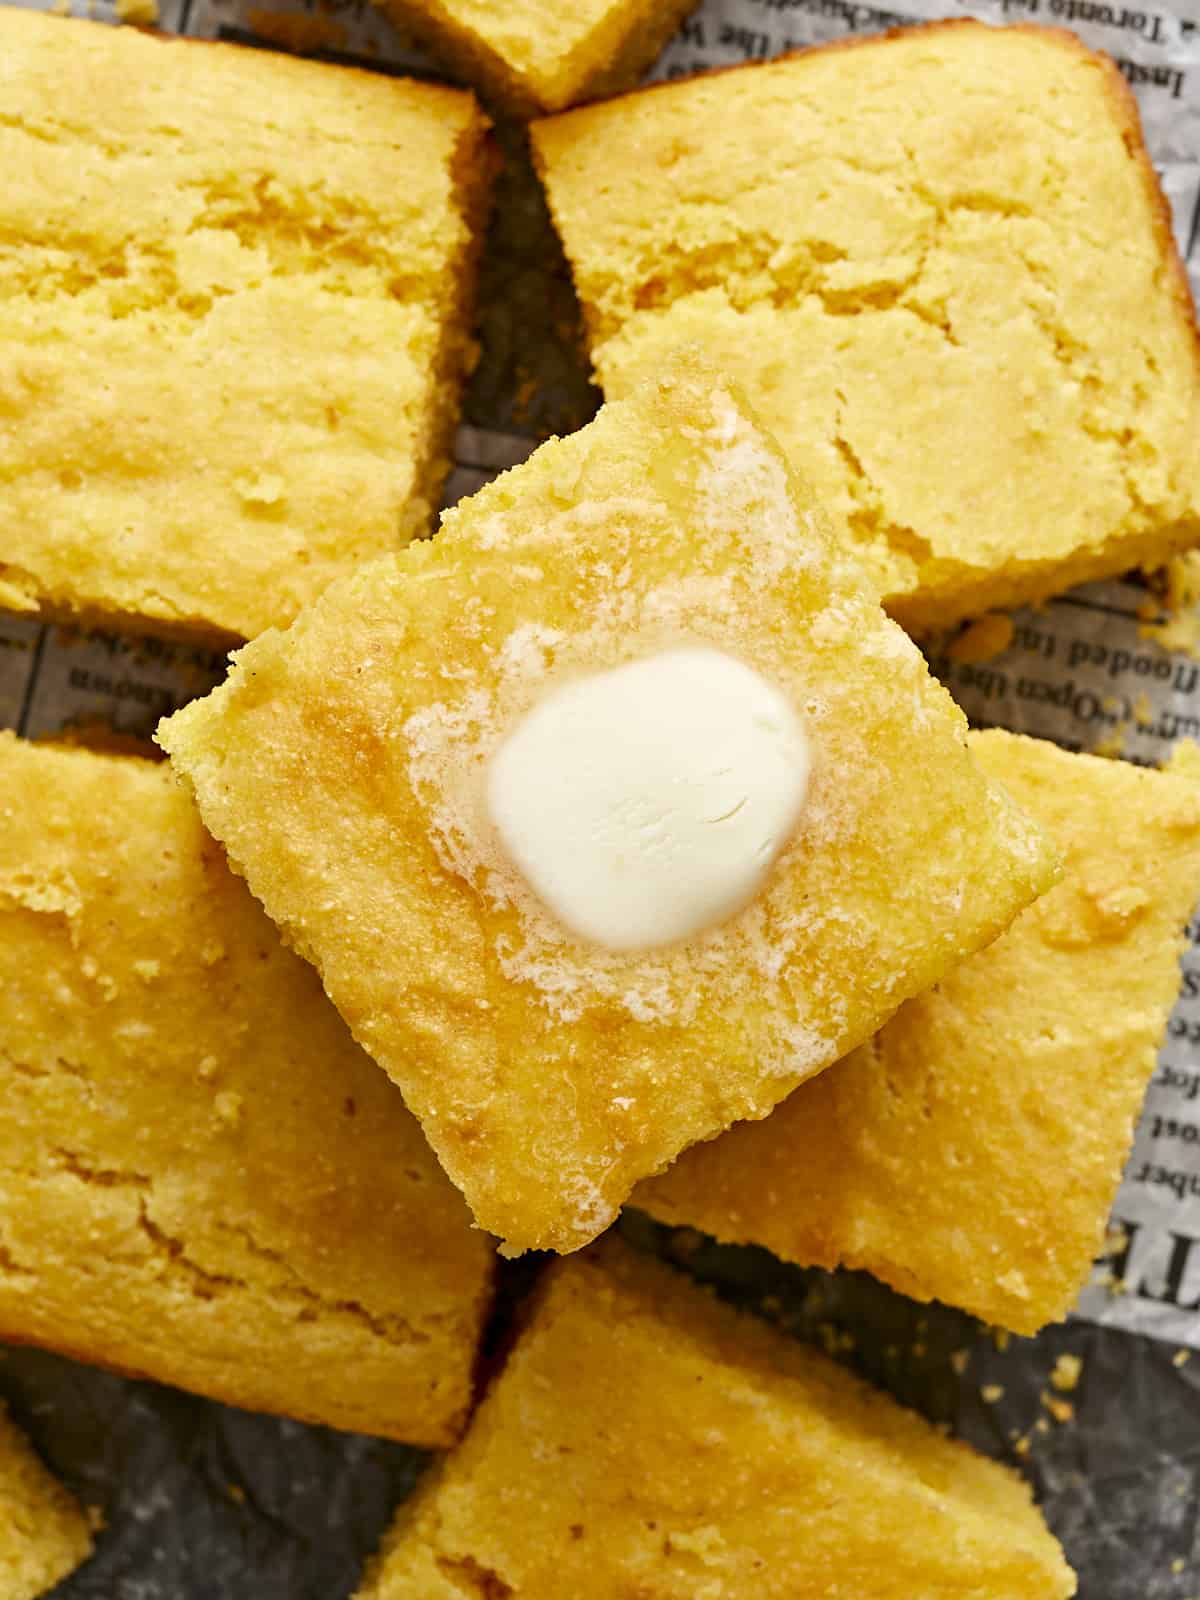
column 203, row 1501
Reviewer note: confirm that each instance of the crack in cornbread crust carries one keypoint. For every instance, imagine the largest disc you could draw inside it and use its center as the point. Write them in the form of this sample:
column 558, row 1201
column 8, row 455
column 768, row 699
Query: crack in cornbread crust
column 549, row 1074
column 204, row 1180
column 646, row 1440
column 224, row 294
column 553, row 56
column 1079, row 460
column 43, row 1533
column 1016, row 1082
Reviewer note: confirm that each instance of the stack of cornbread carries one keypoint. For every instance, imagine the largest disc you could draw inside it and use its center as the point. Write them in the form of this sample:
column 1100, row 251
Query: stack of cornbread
column 611, row 845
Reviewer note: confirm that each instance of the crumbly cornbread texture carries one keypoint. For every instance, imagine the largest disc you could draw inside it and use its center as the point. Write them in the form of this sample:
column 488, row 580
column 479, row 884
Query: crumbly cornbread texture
column 971, row 1151
column 540, row 55
column 942, row 268
column 233, row 308
column 43, row 1533
column 646, row 1440
column 342, row 764
column 204, row 1180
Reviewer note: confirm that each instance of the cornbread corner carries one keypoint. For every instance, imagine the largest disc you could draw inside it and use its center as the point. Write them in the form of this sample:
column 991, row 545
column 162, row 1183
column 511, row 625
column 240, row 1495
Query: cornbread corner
column 534, row 56
column 645, row 1439
column 204, row 1180
column 971, row 1151
column 234, row 315
column 43, row 1532
column 342, row 764
column 941, row 266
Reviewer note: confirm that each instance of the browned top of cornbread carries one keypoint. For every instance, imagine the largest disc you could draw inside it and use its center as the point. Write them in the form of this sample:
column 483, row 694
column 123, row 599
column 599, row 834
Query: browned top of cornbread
column 341, row 764
column 943, row 268
column 646, row 1440
column 971, row 1151
column 43, row 1533
column 232, row 307
column 203, row 1179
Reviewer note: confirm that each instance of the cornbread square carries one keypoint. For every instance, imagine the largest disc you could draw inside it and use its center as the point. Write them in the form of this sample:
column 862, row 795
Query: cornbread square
column 203, row 1179
column 941, row 266
column 532, row 56
column 43, row 1533
column 234, row 301
column 645, row 1439
column 971, row 1151
column 343, row 766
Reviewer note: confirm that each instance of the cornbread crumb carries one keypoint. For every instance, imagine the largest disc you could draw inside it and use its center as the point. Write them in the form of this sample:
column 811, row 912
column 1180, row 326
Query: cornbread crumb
column 1184, row 762
column 982, row 639
column 885, row 243
column 228, row 1107
column 340, row 764
column 1060, row 1410
column 992, row 1393
column 1181, row 1358
column 1179, row 585
column 299, row 30
column 959, row 1360
column 1065, row 1376
column 645, row 1439
column 531, row 56
column 1018, row 1080
column 255, row 1243
column 234, row 316
column 43, row 1533
column 138, row 13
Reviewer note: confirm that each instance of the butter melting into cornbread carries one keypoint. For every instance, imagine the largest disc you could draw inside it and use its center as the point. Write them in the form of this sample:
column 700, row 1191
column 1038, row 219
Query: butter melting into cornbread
column 646, row 1440
column 942, row 268
column 342, row 764
column 234, row 305
column 203, row 1179
column 971, row 1151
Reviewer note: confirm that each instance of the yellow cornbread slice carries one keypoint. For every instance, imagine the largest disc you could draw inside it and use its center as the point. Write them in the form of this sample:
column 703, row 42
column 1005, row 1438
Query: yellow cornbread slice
column 942, row 269
column 970, row 1152
column 644, row 1439
column 342, row 764
column 43, row 1533
column 204, row 1180
column 234, row 299
column 531, row 56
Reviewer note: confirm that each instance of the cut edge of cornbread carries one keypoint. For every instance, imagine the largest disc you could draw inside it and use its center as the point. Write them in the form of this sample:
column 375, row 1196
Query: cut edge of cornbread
column 606, row 57
column 950, row 591
column 44, row 1534
column 472, row 168
column 749, row 1379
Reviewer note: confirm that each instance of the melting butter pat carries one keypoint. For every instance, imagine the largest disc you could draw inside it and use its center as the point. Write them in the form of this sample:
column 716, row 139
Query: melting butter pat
column 646, row 803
